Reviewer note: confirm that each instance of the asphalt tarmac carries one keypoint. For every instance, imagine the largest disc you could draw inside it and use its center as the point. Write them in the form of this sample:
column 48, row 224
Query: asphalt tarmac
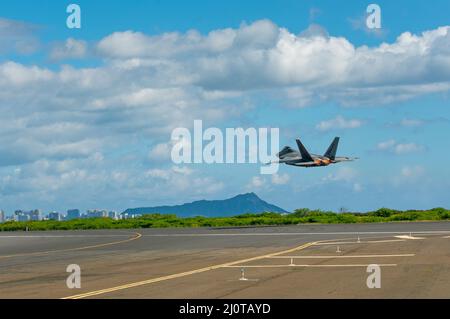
column 304, row 261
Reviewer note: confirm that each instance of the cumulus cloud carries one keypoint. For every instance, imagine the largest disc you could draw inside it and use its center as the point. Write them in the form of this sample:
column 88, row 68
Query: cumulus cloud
column 50, row 182
column 339, row 123
column 399, row 148
column 17, row 37
column 184, row 179
column 345, row 174
column 407, row 148
column 70, row 49
column 418, row 123
column 280, row 179
column 17, row 75
column 411, row 122
column 47, row 113
column 146, row 85
column 314, row 30
column 160, row 152
column 386, row 145
column 357, row 187
column 261, row 183
column 408, row 174
column 263, row 55
column 256, row 182
column 411, row 172
column 129, row 44
column 360, row 23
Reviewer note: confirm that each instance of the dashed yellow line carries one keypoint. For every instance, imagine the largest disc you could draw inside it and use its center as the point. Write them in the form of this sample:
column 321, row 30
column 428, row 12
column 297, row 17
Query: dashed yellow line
column 137, row 236
column 310, row 266
column 183, row 274
column 343, row 256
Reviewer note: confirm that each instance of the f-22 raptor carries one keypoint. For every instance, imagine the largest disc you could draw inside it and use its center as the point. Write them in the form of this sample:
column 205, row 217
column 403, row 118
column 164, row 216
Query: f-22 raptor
column 303, row 158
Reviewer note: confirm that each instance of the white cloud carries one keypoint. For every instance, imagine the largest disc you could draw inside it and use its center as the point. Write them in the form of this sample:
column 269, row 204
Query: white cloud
column 345, row 174
column 263, row 55
column 183, row 179
column 339, row 123
column 144, row 86
column 183, row 170
column 17, row 75
column 158, row 173
column 161, row 152
column 399, row 148
column 408, row 148
column 411, row 123
column 386, row 145
column 357, row 187
column 412, row 172
column 280, row 179
column 169, row 173
column 256, row 182
column 360, row 23
column 342, row 178
column 70, row 49
column 17, row 37
column 409, row 174
column 129, row 44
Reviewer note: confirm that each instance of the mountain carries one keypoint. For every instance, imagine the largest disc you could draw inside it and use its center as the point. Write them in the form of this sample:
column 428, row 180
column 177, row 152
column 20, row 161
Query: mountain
column 240, row 204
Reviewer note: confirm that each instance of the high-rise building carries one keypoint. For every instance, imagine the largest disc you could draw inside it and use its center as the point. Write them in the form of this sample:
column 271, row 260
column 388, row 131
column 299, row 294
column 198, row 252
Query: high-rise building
column 55, row 216
column 22, row 216
column 35, row 215
column 73, row 214
column 2, row 216
column 113, row 215
column 96, row 213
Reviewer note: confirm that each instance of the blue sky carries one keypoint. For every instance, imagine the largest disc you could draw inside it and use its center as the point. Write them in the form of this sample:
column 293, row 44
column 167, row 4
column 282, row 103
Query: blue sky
column 88, row 113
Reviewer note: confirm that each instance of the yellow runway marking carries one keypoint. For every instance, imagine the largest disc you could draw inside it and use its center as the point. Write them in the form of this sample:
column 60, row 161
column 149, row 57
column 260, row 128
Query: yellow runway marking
column 345, row 256
column 138, row 235
column 308, row 266
column 183, row 274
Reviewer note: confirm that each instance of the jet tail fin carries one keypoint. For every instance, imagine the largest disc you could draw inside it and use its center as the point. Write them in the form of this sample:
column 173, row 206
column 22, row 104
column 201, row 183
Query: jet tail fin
column 305, row 155
column 332, row 149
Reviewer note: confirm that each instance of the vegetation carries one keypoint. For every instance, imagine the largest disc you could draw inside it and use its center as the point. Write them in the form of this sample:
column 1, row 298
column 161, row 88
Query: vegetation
column 299, row 216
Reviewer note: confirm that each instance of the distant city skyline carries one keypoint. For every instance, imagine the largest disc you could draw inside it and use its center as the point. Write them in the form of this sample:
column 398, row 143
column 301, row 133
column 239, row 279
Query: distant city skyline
column 38, row 215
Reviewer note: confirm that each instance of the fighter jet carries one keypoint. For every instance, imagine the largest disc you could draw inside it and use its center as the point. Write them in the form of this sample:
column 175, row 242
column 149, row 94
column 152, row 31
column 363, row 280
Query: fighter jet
column 303, row 158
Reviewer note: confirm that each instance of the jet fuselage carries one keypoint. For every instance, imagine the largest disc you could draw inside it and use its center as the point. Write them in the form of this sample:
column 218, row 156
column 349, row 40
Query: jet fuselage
column 303, row 158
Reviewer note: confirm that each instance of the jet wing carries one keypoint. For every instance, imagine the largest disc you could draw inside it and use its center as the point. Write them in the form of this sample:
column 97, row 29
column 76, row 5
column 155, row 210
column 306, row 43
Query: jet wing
column 286, row 160
column 301, row 163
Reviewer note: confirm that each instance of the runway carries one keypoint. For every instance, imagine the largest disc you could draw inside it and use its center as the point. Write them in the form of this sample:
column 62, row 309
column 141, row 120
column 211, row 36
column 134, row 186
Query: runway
column 304, row 261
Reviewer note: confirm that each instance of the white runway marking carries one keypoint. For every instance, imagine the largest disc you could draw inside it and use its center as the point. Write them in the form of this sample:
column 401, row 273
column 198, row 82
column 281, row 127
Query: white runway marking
column 409, row 237
column 345, row 256
column 308, row 266
column 361, row 242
